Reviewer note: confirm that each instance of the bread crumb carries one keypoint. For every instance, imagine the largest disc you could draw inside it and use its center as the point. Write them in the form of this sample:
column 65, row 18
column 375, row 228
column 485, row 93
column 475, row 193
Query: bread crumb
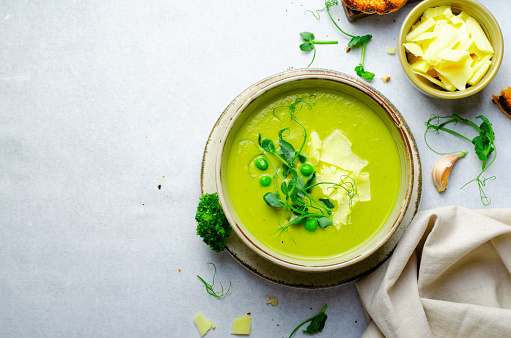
column 503, row 100
column 271, row 300
column 385, row 78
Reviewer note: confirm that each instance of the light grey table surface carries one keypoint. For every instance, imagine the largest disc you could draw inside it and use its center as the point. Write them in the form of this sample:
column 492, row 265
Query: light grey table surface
column 103, row 101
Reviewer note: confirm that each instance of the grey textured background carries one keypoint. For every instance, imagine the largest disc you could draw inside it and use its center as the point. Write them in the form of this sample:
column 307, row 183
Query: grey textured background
column 102, row 101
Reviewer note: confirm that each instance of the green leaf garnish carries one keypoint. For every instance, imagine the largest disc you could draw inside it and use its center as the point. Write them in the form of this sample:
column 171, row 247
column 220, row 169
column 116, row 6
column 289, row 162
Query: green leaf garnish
column 287, row 150
column 327, row 202
column 362, row 73
column 359, row 40
column 285, row 170
column 307, row 47
column 307, row 36
column 310, row 183
column 309, row 43
column 273, row 200
column 317, row 323
column 323, row 222
column 209, row 287
column 484, row 144
column 268, row 145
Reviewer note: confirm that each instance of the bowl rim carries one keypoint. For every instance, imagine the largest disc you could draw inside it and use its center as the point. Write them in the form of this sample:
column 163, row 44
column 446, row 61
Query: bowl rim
column 410, row 146
column 415, row 14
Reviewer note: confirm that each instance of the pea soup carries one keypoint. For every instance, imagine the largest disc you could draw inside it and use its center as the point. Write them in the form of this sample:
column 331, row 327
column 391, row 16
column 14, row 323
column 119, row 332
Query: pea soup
column 350, row 191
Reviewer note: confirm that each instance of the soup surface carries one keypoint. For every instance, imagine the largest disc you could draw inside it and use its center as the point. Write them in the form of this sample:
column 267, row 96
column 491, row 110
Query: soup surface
column 331, row 111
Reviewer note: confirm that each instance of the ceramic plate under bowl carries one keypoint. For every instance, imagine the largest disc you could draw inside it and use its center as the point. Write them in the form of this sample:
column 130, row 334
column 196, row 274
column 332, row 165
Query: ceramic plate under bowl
column 277, row 273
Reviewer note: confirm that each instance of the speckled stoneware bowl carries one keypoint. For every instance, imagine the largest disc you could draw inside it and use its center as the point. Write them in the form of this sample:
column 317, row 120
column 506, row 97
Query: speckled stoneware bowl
column 406, row 205
column 490, row 27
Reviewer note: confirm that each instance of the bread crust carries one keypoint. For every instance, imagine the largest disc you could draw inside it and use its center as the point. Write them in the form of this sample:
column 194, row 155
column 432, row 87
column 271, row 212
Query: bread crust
column 503, row 100
column 375, row 6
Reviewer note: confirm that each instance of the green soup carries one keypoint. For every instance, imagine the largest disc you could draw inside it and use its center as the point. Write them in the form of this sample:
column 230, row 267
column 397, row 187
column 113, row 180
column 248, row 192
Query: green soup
column 333, row 110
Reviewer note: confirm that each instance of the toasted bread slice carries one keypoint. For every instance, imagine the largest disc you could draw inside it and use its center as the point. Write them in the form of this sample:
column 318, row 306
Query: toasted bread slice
column 503, row 100
column 375, row 6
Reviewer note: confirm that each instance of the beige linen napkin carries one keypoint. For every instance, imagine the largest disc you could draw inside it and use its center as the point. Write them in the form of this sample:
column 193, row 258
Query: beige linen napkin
column 450, row 276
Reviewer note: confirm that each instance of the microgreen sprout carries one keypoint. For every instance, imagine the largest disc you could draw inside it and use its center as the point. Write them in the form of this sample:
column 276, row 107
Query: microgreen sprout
column 484, row 144
column 360, row 68
column 317, row 323
column 356, row 41
column 209, row 287
column 294, row 179
column 310, row 43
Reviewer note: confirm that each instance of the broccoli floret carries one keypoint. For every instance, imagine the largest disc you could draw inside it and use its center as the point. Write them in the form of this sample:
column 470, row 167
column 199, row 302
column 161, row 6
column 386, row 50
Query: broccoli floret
column 212, row 225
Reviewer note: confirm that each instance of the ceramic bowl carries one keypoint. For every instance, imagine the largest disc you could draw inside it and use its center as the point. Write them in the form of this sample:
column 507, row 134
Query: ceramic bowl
column 489, row 25
column 409, row 158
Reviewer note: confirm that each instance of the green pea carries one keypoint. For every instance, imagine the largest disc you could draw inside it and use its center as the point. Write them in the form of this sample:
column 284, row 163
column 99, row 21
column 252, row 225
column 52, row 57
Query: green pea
column 265, row 181
column 261, row 163
column 311, row 225
column 306, row 169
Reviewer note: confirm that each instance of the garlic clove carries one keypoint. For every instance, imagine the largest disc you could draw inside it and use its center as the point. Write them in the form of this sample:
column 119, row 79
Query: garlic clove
column 442, row 170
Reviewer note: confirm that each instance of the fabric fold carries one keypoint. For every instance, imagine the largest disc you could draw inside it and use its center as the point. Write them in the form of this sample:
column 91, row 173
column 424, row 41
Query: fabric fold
column 449, row 276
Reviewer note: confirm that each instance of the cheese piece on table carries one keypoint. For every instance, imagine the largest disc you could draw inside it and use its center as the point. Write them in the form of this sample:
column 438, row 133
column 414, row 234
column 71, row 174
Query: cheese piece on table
column 336, row 150
column 241, row 325
column 391, row 50
column 203, row 325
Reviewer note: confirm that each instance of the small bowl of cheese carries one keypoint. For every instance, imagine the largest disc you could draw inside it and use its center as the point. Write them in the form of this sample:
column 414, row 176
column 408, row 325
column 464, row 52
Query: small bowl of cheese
column 449, row 49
